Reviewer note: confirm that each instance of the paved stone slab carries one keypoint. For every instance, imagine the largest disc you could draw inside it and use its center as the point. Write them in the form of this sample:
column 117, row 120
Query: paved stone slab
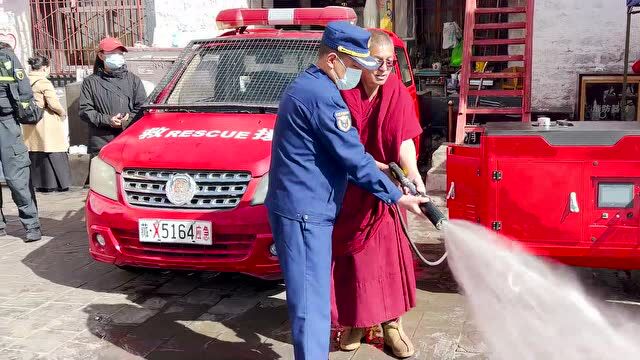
column 202, row 296
column 6, row 341
column 57, row 303
column 28, row 301
column 469, row 356
column 168, row 323
column 25, row 326
column 11, row 313
column 75, row 321
column 42, row 341
column 20, row 355
column 99, row 333
column 140, row 346
column 180, row 285
column 84, row 351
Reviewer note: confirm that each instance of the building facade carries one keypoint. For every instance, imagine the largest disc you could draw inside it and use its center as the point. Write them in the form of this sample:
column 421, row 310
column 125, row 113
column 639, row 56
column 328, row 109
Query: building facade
column 571, row 37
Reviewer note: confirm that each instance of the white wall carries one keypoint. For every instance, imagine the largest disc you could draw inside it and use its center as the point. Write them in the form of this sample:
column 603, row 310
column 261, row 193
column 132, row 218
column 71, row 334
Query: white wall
column 15, row 27
column 178, row 22
column 576, row 36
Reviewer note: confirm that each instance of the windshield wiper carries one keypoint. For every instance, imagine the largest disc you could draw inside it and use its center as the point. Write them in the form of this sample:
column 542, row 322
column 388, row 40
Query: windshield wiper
column 232, row 108
column 203, row 100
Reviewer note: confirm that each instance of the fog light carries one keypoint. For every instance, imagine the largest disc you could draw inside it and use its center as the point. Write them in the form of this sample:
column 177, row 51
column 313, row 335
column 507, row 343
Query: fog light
column 100, row 240
column 272, row 250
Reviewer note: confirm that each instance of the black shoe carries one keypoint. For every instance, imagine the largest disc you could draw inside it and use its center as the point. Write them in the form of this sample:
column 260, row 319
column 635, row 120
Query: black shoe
column 33, row 235
column 3, row 232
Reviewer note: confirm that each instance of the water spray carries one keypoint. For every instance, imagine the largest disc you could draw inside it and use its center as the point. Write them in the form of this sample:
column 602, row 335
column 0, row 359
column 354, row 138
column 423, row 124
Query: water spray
column 528, row 308
column 435, row 216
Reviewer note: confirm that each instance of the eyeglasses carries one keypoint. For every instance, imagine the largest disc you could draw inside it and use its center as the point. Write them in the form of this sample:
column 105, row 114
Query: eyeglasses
column 389, row 62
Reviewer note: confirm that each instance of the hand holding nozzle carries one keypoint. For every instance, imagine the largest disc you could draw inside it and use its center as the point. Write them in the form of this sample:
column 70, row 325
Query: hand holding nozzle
column 428, row 208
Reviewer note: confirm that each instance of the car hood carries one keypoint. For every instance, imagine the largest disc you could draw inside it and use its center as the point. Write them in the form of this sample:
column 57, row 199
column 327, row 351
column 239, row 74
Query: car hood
column 194, row 141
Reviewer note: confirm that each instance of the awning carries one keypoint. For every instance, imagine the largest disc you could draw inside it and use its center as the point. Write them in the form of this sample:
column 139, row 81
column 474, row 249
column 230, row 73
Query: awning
column 633, row 2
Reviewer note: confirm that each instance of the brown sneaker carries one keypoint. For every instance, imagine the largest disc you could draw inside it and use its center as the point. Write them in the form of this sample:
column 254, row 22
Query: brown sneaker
column 351, row 338
column 397, row 340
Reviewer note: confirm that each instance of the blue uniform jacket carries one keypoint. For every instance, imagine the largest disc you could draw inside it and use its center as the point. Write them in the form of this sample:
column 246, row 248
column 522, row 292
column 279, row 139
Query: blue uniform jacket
column 315, row 151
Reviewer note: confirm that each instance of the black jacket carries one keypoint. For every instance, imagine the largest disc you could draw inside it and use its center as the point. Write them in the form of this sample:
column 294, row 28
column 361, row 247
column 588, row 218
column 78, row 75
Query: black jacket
column 12, row 72
column 105, row 95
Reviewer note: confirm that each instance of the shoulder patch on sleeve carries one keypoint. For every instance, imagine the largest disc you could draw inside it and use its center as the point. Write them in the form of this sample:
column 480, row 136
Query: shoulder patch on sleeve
column 343, row 120
column 19, row 74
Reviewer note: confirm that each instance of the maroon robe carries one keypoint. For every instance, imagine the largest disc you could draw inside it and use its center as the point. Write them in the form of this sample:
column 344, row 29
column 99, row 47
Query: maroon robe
column 372, row 271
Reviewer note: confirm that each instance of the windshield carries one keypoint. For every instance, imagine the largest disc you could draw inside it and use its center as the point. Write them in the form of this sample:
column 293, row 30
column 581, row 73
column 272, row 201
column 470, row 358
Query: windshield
column 251, row 72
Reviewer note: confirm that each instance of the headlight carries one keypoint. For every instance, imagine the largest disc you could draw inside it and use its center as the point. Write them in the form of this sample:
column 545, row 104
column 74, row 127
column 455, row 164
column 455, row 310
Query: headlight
column 102, row 178
column 261, row 191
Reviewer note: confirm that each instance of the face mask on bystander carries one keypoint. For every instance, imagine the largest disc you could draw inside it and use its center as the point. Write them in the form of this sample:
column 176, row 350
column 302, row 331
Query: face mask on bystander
column 114, row 61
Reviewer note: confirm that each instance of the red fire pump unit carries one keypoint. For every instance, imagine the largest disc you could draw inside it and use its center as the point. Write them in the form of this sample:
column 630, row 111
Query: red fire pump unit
column 568, row 191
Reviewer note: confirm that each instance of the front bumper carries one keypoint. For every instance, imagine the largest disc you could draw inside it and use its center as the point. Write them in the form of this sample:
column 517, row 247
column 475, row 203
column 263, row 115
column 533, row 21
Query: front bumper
column 241, row 239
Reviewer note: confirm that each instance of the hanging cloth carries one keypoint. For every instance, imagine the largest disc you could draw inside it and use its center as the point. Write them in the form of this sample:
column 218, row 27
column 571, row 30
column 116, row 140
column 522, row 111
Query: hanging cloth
column 451, row 35
column 370, row 14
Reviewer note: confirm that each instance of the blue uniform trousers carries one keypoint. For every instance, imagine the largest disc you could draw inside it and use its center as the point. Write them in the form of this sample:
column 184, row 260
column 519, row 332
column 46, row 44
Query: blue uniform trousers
column 304, row 251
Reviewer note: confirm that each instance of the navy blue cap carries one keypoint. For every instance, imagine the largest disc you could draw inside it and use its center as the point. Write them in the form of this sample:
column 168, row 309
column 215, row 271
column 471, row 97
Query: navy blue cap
column 352, row 40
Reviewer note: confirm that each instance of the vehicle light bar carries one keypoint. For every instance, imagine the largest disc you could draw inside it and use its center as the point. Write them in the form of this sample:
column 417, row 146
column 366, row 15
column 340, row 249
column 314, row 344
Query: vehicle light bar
column 235, row 18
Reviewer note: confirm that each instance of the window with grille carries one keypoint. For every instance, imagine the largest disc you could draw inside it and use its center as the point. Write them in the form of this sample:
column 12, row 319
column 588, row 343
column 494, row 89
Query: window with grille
column 68, row 31
column 240, row 71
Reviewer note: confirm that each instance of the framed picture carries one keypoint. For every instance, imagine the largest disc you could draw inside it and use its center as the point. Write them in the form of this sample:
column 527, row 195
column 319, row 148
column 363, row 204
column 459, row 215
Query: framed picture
column 600, row 98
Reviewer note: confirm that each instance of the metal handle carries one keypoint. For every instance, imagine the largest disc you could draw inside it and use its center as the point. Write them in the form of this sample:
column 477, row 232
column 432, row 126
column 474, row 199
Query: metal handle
column 573, row 203
column 452, row 191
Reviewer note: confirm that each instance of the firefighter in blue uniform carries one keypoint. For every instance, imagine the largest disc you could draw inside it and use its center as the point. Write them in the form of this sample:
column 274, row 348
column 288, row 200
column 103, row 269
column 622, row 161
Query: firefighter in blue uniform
column 16, row 97
column 315, row 151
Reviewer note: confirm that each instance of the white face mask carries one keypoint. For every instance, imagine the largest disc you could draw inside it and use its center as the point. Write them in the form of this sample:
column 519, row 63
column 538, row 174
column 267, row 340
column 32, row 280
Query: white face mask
column 114, row 61
column 351, row 78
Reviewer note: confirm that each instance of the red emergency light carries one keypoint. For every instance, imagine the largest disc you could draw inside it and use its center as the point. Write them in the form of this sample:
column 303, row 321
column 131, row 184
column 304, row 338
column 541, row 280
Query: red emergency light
column 235, row 18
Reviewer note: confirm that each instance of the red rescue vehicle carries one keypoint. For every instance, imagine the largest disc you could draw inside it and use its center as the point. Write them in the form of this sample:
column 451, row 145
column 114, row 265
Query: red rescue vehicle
column 184, row 186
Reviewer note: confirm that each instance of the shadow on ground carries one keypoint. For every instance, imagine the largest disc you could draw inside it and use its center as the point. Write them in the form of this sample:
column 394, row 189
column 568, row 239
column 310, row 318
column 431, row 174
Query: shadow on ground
column 161, row 314
column 434, row 279
column 195, row 315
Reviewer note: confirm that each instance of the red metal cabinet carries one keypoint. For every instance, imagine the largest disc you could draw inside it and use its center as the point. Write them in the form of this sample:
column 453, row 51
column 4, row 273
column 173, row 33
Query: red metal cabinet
column 464, row 183
column 570, row 193
column 532, row 201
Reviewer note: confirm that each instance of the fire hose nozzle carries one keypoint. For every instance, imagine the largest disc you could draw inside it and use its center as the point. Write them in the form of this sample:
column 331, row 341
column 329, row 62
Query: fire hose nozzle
column 435, row 216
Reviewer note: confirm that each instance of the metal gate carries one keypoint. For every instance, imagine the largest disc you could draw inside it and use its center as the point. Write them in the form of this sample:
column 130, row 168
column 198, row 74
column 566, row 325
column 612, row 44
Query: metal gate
column 68, row 31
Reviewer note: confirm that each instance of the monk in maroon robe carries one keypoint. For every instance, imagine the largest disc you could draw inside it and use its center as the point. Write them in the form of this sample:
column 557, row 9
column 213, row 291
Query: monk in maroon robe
column 372, row 270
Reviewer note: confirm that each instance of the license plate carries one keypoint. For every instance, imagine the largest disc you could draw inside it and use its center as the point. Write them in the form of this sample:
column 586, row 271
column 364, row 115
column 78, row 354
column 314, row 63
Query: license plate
column 175, row 231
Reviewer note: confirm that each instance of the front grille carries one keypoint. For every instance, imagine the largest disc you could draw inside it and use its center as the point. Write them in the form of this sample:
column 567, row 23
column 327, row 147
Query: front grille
column 216, row 190
column 225, row 247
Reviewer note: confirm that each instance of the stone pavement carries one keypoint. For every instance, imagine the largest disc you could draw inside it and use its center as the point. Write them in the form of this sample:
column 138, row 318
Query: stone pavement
column 57, row 303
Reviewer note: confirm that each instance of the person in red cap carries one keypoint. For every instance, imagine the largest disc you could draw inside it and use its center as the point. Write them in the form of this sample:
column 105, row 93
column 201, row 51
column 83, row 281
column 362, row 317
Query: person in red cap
column 111, row 96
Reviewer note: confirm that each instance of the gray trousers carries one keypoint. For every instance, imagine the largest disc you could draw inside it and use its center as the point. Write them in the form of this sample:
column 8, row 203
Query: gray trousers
column 15, row 166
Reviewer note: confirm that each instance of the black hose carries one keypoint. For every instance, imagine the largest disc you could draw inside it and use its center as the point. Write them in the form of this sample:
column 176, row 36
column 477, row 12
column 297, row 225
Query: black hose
column 435, row 216
column 432, row 213
column 414, row 247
